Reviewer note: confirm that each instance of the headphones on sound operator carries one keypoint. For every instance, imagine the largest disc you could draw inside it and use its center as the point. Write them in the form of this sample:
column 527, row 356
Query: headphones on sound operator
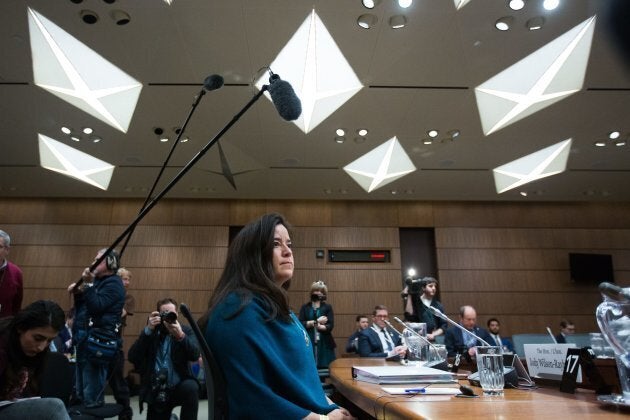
column 112, row 261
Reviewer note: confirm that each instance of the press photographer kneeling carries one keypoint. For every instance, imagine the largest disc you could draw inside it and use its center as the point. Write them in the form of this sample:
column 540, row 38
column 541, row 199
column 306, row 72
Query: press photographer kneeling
column 162, row 355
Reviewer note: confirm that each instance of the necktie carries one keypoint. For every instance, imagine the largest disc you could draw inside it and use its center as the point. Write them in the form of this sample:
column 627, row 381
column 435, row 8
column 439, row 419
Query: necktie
column 388, row 341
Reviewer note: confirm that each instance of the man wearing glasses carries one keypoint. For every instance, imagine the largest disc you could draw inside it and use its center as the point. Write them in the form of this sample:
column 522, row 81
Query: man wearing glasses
column 378, row 340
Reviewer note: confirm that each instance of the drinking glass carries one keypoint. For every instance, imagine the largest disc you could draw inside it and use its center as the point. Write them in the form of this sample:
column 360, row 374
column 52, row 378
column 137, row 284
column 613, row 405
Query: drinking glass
column 490, row 368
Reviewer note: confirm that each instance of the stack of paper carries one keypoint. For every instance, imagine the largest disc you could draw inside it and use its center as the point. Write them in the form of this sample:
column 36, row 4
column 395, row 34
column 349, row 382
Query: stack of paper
column 401, row 374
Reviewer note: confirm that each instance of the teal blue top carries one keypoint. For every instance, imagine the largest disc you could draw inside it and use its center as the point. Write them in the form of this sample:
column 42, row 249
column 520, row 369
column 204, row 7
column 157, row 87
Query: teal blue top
column 268, row 365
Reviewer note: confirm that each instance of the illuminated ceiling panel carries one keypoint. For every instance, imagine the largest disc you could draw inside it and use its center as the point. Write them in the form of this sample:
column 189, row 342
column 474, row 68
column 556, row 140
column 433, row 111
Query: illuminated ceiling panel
column 58, row 157
column 461, row 3
column 69, row 69
column 319, row 73
column 544, row 77
column 549, row 161
column 382, row 165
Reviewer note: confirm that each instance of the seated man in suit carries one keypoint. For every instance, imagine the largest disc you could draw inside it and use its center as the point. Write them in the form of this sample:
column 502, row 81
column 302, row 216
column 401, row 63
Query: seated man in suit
column 457, row 342
column 378, row 340
column 566, row 328
column 494, row 326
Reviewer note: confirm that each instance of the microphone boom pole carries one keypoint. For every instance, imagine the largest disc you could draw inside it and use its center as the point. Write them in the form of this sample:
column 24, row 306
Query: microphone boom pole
column 440, row 314
column 145, row 210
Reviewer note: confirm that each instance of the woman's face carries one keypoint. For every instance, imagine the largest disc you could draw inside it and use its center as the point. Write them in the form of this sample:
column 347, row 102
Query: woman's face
column 282, row 255
column 36, row 340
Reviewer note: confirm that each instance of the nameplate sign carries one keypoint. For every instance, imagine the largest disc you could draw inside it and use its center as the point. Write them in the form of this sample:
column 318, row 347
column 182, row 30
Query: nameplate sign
column 547, row 360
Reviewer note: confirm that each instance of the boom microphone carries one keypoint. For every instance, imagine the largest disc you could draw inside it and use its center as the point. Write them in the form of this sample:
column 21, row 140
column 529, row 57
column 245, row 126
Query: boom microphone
column 213, row 82
column 284, row 98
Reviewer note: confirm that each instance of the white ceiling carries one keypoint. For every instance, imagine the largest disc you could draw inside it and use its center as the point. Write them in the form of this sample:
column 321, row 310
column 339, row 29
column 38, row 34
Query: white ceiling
column 416, row 78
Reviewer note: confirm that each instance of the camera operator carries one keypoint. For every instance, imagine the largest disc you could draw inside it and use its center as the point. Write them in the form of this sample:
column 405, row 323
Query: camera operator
column 161, row 355
column 418, row 295
column 318, row 319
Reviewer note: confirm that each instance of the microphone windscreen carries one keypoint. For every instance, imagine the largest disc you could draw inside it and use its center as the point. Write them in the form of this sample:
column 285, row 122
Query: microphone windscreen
column 213, row 82
column 284, row 98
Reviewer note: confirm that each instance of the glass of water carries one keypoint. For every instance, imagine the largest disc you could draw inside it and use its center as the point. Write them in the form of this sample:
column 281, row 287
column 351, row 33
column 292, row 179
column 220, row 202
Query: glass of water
column 490, row 368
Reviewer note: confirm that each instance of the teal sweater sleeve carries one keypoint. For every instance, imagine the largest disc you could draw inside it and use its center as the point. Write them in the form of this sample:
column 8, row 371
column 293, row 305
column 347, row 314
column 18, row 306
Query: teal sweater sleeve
column 268, row 365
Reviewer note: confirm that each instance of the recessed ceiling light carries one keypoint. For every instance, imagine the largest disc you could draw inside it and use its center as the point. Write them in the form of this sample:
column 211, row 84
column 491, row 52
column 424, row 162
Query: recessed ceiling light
column 427, row 141
column 66, row 130
column 362, row 132
column 405, row 3
column 397, row 21
column 367, row 21
column 523, row 193
column 504, row 23
column 613, row 135
column 432, row 133
column 600, row 143
column 340, row 139
column 96, row 139
column 516, row 4
column 340, row 132
column 75, row 138
column 359, row 140
column 551, row 4
column 620, row 143
column 370, row 4
column 88, row 130
column 184, row 140
column 535, row 23
column 163, row 139
column 453, row 134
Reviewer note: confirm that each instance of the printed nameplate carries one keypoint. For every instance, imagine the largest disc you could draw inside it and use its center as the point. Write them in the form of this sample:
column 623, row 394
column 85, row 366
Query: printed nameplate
column 547, row 360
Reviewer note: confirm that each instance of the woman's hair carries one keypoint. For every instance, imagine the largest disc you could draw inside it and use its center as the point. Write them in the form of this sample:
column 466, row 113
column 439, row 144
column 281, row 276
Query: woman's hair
column 249, row 270
column 39, row 314
column 319, row 286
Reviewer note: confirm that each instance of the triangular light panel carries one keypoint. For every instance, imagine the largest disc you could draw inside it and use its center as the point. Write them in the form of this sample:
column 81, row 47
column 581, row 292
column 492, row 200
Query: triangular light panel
column 319, row 73
column 544, row 77
column 549, row 161
column 58, row 157
column 461, row 3
column 69, row 69
column 382, row 165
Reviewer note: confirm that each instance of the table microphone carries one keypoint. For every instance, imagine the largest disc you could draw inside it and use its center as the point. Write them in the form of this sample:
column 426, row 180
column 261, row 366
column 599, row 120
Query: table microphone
column 440, row 314
column 439, row 362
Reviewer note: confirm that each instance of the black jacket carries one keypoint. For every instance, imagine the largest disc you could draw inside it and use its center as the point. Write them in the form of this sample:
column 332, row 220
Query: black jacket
column 143, row 354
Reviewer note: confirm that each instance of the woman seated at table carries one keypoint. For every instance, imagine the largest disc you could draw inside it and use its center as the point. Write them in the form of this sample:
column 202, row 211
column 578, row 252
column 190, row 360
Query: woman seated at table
column 24, row 341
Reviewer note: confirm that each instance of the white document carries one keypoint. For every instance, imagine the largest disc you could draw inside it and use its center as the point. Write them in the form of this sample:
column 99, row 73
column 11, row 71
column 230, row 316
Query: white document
column 401, row 374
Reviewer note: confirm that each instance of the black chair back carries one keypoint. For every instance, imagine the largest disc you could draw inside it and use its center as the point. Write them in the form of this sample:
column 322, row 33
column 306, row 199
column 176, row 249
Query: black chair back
column 215, row 382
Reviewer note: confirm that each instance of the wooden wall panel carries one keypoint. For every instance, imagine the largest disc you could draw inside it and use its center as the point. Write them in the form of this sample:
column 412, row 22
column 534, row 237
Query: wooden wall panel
column 510, row 260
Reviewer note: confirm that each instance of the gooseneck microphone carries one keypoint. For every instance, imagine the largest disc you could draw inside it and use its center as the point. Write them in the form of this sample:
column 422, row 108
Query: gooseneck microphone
column 441, row 314
column 284, row 98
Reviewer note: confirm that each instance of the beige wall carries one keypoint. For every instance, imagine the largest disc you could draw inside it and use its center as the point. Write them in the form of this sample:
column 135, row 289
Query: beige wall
column 508, row 260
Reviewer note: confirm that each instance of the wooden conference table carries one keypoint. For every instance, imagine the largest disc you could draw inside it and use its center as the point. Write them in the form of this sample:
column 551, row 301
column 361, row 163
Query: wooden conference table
column 544, row 402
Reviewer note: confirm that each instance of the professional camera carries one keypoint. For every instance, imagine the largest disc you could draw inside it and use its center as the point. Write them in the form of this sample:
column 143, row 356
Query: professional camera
column 415, row 285
column 169, row 317
column 159, row 388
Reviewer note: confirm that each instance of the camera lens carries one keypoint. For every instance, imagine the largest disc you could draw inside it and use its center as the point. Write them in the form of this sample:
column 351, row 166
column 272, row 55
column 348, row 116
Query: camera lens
column 169, row 317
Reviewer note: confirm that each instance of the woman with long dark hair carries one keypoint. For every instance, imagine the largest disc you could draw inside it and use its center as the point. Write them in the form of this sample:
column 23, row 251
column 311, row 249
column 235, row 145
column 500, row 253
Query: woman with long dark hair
column 24, row 341
column 264, row 352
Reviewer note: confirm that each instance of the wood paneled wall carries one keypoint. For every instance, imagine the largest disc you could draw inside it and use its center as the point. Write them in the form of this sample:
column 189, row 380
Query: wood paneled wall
column 508, row 260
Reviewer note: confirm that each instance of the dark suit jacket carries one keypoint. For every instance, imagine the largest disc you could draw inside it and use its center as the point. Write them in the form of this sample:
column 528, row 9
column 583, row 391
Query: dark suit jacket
column 370, row 343
column 561, row 339
column 454, row 340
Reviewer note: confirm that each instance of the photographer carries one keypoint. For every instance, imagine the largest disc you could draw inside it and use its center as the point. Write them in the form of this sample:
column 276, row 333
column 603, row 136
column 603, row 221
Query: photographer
column 162, row 354
column 318, row 318
column 418, row 295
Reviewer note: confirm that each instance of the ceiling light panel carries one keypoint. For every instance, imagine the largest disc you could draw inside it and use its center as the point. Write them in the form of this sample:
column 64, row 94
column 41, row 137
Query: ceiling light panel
column 544, row 77
column 321, row 76
column 69, row 69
